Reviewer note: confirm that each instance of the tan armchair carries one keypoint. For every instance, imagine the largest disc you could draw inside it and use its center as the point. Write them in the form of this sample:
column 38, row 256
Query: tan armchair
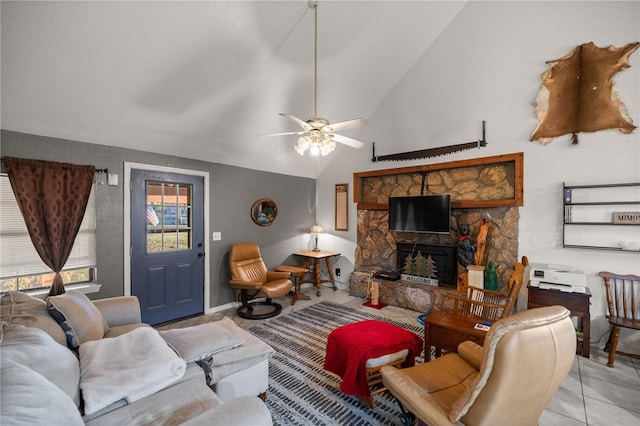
column 524, row 360
column 492, row 305
column 251, row 279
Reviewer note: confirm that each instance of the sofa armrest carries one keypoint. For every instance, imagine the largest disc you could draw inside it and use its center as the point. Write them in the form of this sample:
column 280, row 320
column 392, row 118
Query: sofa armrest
column 121, row 310
column 241, row 411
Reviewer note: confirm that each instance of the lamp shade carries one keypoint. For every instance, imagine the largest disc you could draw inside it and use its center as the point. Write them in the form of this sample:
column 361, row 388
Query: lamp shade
column 316, row 229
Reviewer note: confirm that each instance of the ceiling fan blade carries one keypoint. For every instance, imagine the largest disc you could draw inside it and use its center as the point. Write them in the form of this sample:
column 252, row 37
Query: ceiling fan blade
column 296, row 120
column 347, row 141
column 282, row 134
column 349, row 124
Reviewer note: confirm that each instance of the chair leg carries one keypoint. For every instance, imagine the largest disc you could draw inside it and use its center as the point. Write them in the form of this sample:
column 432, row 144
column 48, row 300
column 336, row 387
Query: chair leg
column 613, row 345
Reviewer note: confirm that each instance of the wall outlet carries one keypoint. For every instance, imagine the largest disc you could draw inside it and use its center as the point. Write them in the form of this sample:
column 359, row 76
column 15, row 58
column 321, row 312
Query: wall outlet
column 217, row 236
column 337, row 272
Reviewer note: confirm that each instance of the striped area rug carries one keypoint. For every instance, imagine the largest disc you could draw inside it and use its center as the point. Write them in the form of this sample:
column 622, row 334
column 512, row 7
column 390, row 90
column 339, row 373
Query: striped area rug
column 300, row 391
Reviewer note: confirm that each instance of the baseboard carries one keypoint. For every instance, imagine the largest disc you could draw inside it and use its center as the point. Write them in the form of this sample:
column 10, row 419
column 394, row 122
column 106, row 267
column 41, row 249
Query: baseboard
column 224, row 307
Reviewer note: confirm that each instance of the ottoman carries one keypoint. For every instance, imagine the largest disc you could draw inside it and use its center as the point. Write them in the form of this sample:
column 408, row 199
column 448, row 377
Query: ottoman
column 356, row 352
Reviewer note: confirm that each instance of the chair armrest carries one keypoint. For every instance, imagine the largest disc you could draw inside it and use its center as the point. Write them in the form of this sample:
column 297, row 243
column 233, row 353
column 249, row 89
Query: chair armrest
column 121, row 310
column 246, row 285
column 471, row 352
column 413, row 397
column 274, row 275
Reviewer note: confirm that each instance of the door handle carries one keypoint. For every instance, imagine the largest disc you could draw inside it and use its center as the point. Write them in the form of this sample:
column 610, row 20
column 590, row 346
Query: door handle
column 200, row 254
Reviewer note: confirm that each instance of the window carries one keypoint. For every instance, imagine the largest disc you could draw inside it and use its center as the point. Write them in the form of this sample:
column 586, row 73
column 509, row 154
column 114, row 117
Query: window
column 168, row 217
column 20, row 265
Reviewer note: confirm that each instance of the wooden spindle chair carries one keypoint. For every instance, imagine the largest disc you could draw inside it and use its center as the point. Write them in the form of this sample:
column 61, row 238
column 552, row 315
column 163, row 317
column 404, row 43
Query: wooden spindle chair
column 623, row 300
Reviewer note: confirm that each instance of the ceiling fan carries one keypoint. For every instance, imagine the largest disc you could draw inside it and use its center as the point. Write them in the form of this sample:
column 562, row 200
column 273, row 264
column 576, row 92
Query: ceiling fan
column 318, row 134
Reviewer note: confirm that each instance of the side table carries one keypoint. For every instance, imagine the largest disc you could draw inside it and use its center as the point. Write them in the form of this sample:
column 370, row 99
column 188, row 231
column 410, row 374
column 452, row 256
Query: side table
column 446, row 331
column 297, row 273
column 577, row 303
column 317, row 256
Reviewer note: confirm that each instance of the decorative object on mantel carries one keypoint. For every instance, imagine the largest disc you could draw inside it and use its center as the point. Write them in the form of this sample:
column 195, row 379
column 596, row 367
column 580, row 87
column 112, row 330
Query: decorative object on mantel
column 420, row 269
column 466, row 247
column 578, row 95
column 490, row 277
column 432, row 152
column 320, row 137
column 481, row 241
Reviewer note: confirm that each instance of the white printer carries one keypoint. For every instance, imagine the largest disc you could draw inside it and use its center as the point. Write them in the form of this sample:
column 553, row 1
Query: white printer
column 557, row 277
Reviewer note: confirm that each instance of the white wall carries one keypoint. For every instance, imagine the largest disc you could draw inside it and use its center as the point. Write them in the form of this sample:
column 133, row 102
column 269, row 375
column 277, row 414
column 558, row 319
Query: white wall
column 486, row 65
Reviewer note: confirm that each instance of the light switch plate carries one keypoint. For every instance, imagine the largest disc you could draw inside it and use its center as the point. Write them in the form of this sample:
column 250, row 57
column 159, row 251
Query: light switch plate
column 217, row 236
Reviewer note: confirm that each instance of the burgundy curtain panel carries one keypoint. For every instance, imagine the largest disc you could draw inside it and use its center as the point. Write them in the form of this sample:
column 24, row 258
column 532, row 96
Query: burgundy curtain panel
column 52, row 198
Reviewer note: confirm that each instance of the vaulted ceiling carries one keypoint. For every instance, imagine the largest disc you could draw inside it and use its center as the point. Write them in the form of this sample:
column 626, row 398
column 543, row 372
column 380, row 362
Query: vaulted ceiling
column 203, row 79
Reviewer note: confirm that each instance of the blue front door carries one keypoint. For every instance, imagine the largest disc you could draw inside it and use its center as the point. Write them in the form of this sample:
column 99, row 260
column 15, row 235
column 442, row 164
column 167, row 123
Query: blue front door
column 167, row 244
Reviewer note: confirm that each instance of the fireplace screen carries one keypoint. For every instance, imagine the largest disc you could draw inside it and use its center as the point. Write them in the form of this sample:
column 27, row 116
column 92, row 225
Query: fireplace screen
column 429, row 261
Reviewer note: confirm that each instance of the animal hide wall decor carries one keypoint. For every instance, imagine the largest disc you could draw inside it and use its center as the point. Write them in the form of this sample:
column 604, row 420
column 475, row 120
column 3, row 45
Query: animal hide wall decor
column 578, row 95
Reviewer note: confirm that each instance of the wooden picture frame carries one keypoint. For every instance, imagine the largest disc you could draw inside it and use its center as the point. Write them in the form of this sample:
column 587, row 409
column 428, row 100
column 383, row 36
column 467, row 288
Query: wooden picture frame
column 342, row 207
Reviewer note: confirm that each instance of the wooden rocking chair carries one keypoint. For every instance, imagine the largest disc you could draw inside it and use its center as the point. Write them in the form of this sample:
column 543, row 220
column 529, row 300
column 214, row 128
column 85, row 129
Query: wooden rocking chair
column 489, row 305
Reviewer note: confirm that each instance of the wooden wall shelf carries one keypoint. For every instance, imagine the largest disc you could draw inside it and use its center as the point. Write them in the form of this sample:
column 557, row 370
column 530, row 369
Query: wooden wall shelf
column 516, row 159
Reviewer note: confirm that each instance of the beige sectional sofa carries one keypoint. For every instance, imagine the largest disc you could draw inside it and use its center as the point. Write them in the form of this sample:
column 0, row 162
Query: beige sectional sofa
column 57, row 371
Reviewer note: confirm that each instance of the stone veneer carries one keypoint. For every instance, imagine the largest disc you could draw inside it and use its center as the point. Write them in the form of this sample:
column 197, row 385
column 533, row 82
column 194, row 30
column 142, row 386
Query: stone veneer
column 376, row 245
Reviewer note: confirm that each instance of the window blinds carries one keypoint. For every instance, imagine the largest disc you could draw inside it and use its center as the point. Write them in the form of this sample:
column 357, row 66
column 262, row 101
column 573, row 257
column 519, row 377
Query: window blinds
column 18, row 256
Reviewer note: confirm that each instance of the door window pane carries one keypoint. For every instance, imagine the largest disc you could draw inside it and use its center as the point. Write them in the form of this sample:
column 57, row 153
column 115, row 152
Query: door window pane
column 168, row 217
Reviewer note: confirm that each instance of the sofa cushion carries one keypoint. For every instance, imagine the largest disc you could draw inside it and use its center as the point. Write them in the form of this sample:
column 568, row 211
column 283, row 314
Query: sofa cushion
column 35, row 349
column 78, row 317
column 200, row 341
column 27, row 398
column 17, row 307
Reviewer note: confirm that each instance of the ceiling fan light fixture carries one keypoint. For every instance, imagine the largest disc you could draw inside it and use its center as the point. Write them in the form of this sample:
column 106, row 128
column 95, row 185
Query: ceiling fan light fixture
column 320, row 135
column 327, row 147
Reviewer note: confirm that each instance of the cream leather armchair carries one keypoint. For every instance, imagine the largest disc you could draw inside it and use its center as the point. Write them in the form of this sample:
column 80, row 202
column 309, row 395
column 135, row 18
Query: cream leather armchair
column 525, row 358
column 250, row 277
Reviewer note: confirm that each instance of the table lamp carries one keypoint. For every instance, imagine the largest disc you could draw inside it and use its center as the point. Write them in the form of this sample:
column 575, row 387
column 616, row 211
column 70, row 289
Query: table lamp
column 315, row 230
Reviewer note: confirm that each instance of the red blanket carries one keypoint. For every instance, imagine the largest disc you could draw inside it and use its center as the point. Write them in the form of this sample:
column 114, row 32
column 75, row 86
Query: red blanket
column 349, row 348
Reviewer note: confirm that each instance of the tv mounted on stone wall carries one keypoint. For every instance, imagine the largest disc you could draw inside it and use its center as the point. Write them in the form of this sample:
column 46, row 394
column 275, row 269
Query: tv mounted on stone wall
column 425, row 213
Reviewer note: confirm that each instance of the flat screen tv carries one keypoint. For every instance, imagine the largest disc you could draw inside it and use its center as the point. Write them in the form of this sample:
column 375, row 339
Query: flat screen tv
column 427, row 213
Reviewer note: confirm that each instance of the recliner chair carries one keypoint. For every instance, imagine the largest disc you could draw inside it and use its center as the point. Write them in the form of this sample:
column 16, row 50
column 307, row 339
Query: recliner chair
column 250, row 277
column 510, row 380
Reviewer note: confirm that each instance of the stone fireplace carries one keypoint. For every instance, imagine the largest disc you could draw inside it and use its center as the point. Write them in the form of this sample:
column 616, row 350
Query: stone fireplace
column 482, row 189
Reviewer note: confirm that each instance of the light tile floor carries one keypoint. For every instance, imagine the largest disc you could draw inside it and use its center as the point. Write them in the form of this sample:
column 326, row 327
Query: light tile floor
column 592, row 394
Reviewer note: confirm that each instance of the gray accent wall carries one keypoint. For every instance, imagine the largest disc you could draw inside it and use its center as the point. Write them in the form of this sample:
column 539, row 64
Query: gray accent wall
column 232, row 192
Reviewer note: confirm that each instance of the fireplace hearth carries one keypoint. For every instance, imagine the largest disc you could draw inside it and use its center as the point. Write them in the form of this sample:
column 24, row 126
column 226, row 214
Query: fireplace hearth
column 440, row 259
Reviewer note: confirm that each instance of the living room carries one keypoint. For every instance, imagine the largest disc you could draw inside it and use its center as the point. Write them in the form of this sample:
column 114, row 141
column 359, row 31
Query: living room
column 484, row 64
